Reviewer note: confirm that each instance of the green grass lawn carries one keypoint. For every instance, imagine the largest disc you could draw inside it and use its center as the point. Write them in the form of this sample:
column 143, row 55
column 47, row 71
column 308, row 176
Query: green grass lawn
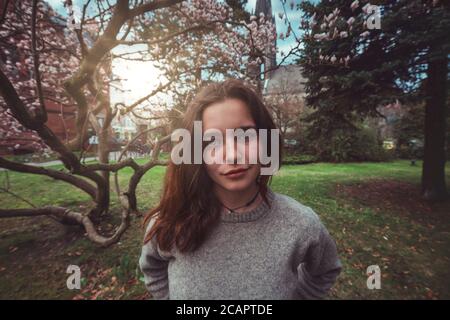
column 373, row 210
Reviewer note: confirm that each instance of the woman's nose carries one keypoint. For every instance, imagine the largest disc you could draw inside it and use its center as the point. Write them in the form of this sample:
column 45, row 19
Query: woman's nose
column 233, row 152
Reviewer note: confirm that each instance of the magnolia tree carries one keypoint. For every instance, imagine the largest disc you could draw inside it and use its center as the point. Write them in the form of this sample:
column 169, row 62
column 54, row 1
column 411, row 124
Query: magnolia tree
column 360, row 55
column 68, row 61
column 223, row 46
column 57, row 53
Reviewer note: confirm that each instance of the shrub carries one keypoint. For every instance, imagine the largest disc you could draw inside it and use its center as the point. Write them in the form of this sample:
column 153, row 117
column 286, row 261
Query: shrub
column 357, row 145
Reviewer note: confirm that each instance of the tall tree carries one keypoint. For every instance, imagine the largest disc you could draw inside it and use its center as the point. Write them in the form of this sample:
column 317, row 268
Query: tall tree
column 71, row 66
column 358, row 56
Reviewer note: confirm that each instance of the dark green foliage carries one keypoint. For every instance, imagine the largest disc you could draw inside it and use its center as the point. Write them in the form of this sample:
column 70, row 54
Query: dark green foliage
column 405, row 60
column 409, row 132
column 299, row 159
column 357, row 144
column 386, row 65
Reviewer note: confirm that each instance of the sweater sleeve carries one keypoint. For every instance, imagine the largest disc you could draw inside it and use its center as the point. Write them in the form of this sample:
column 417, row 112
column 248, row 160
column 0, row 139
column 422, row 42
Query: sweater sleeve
column 320, row 266
column 154, row 266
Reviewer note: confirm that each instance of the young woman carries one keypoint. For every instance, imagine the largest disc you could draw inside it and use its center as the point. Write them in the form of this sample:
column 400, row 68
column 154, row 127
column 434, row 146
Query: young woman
column 220, row 232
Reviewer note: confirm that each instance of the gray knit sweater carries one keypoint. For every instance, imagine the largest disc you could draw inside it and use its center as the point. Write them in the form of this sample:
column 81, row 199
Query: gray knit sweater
column 282, row 252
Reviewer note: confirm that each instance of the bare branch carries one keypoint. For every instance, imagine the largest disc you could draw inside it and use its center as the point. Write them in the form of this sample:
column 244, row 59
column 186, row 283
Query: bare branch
column 42, row 114
column 68, row 215
column 55, row 174
column 156, row 4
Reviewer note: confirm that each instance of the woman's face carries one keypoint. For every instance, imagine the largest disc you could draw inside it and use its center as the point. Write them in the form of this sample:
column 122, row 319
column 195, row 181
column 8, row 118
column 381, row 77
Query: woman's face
column 232, row 114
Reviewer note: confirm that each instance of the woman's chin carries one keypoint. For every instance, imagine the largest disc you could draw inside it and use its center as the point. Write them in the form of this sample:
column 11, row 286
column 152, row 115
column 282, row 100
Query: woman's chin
column 236, row 186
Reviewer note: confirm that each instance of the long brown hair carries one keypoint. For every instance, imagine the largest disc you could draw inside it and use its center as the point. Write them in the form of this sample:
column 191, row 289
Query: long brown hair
column 188, row 210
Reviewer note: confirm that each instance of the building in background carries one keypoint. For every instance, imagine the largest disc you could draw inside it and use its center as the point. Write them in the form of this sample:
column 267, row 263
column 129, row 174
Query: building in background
column 61, row 119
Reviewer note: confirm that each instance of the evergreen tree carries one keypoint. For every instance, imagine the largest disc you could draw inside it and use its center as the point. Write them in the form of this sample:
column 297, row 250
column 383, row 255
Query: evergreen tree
column 355, row 65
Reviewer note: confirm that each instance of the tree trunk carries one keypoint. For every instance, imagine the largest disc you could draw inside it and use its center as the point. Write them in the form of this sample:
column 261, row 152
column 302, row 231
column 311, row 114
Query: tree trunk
column 433, row 171
column 103, row 157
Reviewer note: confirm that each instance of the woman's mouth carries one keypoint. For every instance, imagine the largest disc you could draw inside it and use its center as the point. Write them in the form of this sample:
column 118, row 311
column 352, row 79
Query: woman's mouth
column 236, row 173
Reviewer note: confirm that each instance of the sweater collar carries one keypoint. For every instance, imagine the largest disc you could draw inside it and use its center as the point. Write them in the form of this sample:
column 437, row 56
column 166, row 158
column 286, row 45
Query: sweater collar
column 251, row 215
